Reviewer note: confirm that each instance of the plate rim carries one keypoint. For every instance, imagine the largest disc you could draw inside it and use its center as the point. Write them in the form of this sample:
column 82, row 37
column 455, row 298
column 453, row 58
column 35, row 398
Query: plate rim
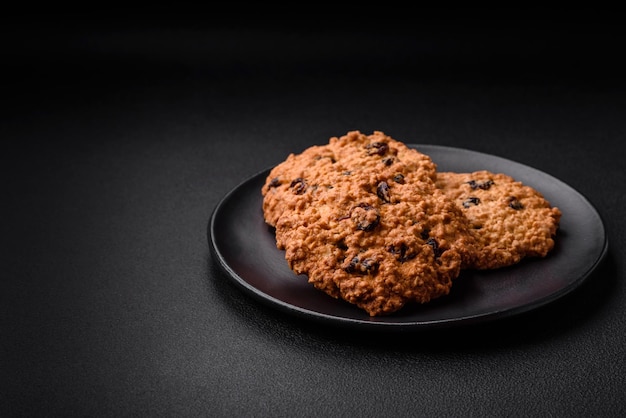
column 455, row 322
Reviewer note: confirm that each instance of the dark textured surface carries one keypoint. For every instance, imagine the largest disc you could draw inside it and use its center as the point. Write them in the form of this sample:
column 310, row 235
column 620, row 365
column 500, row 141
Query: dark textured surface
column 120, row 136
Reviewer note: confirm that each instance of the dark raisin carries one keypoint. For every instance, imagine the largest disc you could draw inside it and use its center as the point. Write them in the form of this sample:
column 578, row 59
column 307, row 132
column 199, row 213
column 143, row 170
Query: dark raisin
column 299, row 185
column 402, row 252
column 367, row 226
column 382, row 191
column 483, row 185
column 351, row 268
column 399, row 178
column 514, row 203
column 424, row 234
column 377, row 148
column 366, row 217
column 398, row 249
column 342, row 217
column 435, row 245
column 330, row 157
column 369, row 265
column 358, row 266
column 342, row 245
column 275, row 182
column 388, row 161
column 471, row 201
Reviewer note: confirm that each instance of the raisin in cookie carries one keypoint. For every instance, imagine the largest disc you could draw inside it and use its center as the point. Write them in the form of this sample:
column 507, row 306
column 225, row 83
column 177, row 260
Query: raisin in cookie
column 363, row 219
column 509, row 220
column 290, row 185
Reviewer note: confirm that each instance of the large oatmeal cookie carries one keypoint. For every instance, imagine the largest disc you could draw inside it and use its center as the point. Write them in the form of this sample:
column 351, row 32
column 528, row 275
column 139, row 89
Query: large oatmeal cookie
column 363, row 219
column 509, row 220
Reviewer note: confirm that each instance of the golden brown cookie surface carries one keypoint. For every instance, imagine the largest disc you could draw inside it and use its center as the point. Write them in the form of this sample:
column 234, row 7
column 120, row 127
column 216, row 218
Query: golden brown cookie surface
column 363, row 219
column 509, row 220
column 291, row 184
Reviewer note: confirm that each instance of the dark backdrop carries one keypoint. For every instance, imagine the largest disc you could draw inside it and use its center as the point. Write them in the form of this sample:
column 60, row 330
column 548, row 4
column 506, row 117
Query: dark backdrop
column 122, row 131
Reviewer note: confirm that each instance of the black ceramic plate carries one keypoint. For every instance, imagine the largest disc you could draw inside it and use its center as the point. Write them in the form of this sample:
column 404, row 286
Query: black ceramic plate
column 245, row 248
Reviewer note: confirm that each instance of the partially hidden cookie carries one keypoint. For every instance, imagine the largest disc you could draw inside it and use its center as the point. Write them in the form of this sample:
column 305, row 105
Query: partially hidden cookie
column 363, row 219
column 509, row 220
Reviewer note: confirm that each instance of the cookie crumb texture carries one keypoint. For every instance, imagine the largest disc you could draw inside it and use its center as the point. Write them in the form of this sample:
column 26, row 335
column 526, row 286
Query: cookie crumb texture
column 509, row 220
column 371, row 221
